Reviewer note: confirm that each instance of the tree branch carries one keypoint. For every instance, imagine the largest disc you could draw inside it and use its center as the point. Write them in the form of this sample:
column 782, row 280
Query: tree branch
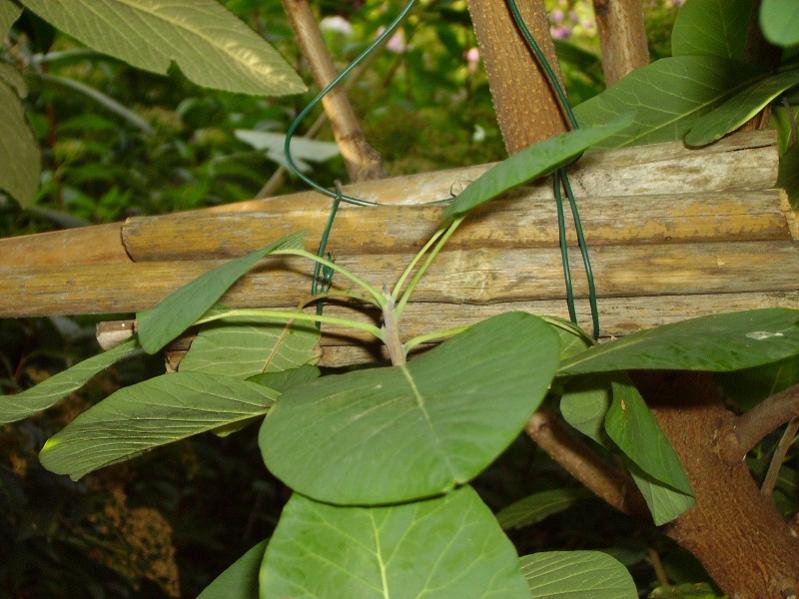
column 767, row 488
column 622, row 37
column 580, row 460
column 750, row 428
column 362, row 160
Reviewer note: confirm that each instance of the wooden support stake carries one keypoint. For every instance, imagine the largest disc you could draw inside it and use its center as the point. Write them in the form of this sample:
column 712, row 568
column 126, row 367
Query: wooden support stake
column 622, row 37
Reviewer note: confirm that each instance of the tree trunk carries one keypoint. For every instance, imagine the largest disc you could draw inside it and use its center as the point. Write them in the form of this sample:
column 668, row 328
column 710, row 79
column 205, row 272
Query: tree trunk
column 527, row 109
column 622, row 37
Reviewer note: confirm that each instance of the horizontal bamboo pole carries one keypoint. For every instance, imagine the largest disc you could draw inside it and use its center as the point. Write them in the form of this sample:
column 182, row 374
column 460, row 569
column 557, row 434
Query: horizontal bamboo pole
column 739, row 162
column 518, row 221
column 458, row 276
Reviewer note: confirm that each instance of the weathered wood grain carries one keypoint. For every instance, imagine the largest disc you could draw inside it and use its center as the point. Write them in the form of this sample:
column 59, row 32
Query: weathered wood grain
column 458, row 276
column 518, row 221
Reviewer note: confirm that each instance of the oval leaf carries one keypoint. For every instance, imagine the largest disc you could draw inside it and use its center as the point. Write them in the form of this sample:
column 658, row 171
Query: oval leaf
column 179, row 310
column 664, row 503
column 437, row 549
column 711, row 28
column 584, row 404
column 668, row 96
column 718, row 343
column 396, row 434
column 210, row 45
column 52, row 390
column 779, row 20
column 539, row 506
column 20, row 162
column 532, row 162
column 9, row 13
column 740, row 108
column 155, row 412
column 577, row 575
column 240, row 580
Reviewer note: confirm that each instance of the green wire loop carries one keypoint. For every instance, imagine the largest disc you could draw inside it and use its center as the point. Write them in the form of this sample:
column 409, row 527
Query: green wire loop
column 561, row 181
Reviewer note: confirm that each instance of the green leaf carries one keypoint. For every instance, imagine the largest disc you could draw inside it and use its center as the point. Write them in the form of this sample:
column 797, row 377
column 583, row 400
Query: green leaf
column 20, row 162
column 209, row 44
column 532, row 162
column 240, row 580
column 577, row 575
column 400, row 433
column 244, row 350
column 686, row 591
column 747, row 388
column 539, row 506
column 286, row 379
column 740, row 108
column 717, row 343
column 179, row 310
column 779, row 20
column 584, row 405
column 155, row 412
column 789, row 174
column 50, row 391
column 303, row 149
column 12, row 76
column 573, row 340
column 441, row 548
column 711, row 28
column 631, row 426
column 664, row 503
column 667, row 96
column 9, row 13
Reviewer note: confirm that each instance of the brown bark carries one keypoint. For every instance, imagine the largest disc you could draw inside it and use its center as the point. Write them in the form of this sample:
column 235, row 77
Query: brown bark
column 622, row 37
column 362, row 161
column 527, row 109
column 734, row 530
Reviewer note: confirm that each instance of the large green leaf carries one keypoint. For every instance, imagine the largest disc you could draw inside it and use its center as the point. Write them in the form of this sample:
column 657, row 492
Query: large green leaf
column 631, row 426
column 538, row 506
column 240, row 580
column 711, row 28
column 179, row 310
column 667, row 96
column 436, row 549
column 740, row 108
column 53, row 389
column 532, row 162
column 244, row 350
column 9, row 13
column 577, row 575
column 284, row 380
column 12, row 76
column 155, row 412
column 664, row 503
column 209, row 44
column 20, row 162
column 400, row 433
column 779, row 20
column 718, row 343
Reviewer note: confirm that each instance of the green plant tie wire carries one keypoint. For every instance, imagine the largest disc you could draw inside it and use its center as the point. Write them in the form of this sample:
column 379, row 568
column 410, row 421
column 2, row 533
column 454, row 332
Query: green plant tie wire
column 561, row 182
column 337, row 195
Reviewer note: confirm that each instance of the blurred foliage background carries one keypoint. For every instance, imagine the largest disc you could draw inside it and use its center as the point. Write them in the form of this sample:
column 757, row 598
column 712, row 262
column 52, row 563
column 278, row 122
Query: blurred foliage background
column 119, row 142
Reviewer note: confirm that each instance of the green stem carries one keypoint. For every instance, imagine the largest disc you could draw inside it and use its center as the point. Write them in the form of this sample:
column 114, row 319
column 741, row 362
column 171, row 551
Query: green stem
column 434, row 336
column 293, row 315
column 340, row 295
column 409, row 269
column 421, row 272
column 380, row 300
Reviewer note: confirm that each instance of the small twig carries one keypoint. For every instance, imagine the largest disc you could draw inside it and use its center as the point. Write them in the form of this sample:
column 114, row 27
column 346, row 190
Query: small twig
column 657, row 566
column 770, row 414
column 580, row 460
column 779, row 457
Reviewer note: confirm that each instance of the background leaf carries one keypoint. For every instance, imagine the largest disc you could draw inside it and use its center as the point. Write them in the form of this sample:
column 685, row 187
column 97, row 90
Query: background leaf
column 240, row 580
column 155, row 412
column 303, row 149
column 13, row 77
column 539, row 506
column 532, row 162
column 53, row 389
column 711, row 28
column 577, row 575
column 664, row 503
column 20, row 161
column 395, row 434
column 179, row 310
column 667, row 97
column 779, row 20
column 438, row 549
column 740, row 108
column 584, row 404
column 209, row 44
column 244, row 350
column 9, row 13
column 718, row 343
